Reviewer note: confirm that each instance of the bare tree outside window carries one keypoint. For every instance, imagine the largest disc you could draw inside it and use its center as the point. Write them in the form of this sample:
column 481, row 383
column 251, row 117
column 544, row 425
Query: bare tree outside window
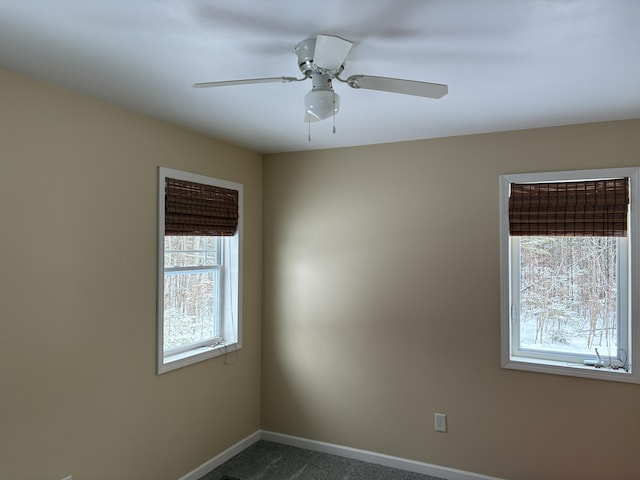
column 190, row 290
column 568, row 294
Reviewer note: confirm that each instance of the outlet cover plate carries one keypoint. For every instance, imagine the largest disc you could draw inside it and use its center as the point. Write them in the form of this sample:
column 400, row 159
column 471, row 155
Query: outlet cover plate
column 441, row 422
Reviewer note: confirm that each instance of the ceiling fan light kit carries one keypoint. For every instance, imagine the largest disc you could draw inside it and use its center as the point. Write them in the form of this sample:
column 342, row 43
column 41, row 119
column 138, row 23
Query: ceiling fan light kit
column 322, row 60
column 322, row 101
column 321, row 104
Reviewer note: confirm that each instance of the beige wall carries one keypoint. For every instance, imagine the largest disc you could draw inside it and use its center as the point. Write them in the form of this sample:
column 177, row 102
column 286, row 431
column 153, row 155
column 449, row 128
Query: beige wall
column 78, row 389
column 381, row 307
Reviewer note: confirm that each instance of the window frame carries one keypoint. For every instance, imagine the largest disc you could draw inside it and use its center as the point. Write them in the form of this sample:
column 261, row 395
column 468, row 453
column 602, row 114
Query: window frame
column 511, row 357
column 229, row 270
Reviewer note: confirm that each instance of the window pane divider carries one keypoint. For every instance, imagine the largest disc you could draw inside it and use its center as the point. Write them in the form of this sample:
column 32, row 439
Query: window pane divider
column 197, row 269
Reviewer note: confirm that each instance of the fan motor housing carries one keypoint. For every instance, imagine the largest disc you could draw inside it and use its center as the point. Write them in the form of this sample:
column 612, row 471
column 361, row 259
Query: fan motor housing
column 304, row 50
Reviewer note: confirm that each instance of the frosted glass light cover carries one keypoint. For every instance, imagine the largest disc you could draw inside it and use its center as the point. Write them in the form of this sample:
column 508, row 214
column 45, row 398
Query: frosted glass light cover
column 321, row 104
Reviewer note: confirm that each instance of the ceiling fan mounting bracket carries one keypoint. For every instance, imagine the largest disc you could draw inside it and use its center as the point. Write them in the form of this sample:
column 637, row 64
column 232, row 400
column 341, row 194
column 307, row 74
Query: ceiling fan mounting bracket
column 352, row 81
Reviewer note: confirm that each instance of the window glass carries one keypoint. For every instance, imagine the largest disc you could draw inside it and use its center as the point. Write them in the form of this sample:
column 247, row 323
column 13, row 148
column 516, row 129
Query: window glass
column 568, row 294
column 191, row 251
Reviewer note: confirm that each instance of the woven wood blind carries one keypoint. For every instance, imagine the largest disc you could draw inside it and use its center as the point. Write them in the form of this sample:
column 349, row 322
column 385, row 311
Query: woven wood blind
column 591, row 208
column 198, row 209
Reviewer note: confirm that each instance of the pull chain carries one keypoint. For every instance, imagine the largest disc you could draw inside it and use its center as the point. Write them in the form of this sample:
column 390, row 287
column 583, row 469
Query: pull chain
column 334, row 113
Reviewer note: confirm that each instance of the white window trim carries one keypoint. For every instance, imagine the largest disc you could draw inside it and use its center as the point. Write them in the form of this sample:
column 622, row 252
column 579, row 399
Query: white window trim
column 232, row 308
column 557, row 367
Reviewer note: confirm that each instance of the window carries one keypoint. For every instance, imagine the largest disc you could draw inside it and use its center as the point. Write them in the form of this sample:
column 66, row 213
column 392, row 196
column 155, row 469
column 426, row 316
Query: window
column 569, row 272
column 199, row 268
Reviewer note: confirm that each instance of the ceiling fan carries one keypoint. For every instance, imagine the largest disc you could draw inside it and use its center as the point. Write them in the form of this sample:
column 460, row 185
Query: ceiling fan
column 322, row 60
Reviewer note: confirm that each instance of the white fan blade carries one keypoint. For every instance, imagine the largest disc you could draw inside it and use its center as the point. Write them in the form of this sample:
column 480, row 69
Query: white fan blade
column 228, row 83
column 330, row 52
column 397, row 85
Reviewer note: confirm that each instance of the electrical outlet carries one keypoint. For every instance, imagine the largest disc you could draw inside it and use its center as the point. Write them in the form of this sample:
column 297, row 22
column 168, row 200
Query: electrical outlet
column 441, row 422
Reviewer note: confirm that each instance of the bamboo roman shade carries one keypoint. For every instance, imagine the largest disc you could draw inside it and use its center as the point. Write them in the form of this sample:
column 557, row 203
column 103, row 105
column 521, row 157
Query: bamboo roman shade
column 198, row 209
column 590, row 208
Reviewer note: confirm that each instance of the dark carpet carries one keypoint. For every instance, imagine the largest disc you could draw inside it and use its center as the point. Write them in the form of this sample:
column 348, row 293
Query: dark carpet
column 273, row 461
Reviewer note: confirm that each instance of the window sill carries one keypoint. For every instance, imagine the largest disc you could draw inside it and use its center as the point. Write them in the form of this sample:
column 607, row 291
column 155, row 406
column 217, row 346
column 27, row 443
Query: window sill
column 172, row 362
column 571, row 369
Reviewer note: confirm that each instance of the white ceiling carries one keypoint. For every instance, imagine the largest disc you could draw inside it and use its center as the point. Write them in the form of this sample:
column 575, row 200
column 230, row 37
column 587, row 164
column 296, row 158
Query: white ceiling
column 509, row 64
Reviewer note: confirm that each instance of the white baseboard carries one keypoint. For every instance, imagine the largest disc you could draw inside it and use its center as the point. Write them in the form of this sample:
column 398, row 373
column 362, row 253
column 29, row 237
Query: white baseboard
column 373, row 457
column 219, row 459
column 342, row 451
